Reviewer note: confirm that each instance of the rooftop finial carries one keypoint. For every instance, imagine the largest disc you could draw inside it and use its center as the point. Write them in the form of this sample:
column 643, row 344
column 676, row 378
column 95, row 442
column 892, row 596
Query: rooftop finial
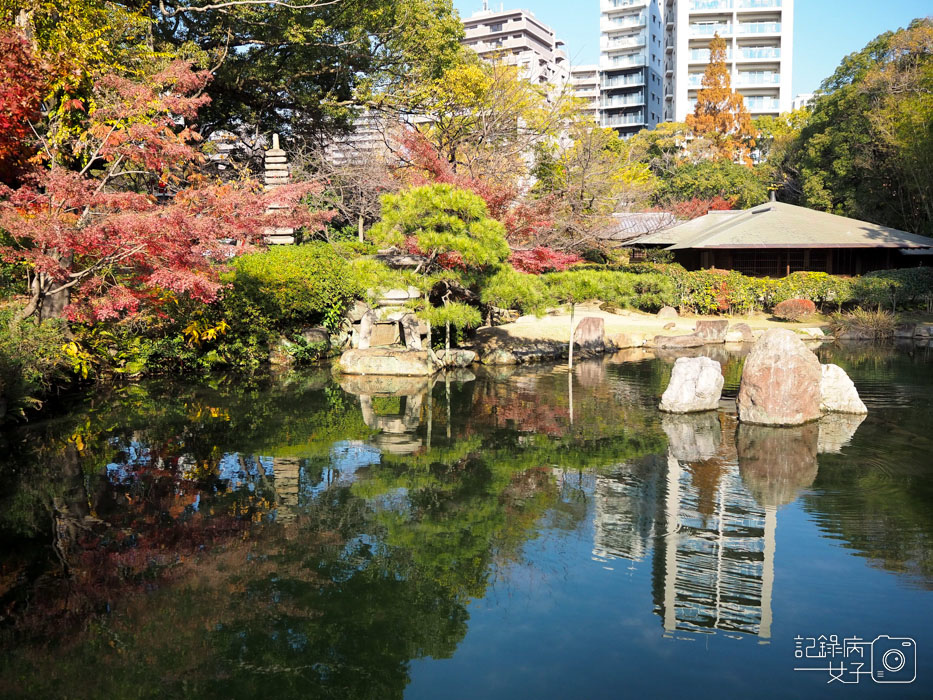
column 275, row 142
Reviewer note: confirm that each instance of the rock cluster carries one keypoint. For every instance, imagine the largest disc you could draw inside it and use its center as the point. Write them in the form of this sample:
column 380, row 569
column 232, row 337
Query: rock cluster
column 783, row 383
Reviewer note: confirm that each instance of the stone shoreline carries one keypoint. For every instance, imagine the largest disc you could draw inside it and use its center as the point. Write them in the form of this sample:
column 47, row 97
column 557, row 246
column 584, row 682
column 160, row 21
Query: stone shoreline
column 531, row 339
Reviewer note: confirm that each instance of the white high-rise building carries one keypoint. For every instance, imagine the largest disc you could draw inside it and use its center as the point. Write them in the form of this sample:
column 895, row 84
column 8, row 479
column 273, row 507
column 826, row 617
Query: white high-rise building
column 804, row 99
column 760, row 44
column 584, row 85
column 518, row 38
column 631, row 64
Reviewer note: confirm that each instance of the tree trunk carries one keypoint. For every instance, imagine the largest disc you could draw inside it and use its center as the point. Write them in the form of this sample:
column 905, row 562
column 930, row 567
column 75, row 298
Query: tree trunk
column 360, row 230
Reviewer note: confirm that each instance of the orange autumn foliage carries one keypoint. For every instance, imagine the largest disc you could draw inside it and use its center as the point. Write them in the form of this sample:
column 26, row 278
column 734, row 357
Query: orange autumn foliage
column 720, row 116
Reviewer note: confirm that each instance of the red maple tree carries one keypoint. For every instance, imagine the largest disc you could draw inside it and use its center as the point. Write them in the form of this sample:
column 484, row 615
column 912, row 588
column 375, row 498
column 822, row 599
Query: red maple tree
column 137, row 220
column 524, row 221
column 21, row 83
column 542, row 259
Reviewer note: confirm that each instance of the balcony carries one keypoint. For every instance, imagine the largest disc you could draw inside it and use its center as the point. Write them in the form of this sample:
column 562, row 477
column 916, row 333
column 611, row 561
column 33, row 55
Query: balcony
column 610, row 5
column 625, row 42
column 695, row 80
column 759, row 4
column 636, row 119
column 623, row 81
column 709, row 28
column 636, row 100
column 629, row 61
column 609, row 24
column 758, row 78
column 759, row 28
column 700, row 5
column 757, row 53
column 762, row 104
column 702, row 55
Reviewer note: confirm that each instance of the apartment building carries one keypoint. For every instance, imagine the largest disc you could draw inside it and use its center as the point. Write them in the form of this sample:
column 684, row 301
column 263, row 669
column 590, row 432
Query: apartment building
column 631, row 64
column 584, row 85
column 517, row 38
column 759, row 35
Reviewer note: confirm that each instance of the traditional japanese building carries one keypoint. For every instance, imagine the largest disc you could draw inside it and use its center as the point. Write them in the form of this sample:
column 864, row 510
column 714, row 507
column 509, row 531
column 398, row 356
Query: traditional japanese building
column 776, row 239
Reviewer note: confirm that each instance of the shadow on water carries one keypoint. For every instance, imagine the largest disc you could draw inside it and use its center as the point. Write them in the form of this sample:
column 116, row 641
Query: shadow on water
column 301, row 536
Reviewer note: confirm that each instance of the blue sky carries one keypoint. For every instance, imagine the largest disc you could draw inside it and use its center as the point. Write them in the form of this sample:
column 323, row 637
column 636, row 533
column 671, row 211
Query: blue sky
column 825, row 30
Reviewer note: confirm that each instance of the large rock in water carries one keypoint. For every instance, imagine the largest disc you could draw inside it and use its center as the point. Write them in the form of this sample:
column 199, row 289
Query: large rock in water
column 712, row 331
column 740, row 333
column 696, row 385
column 388, row 361
column 456, row 358
column 780, row 381
column 663, row 342
column 590, row 334
column 837, row 392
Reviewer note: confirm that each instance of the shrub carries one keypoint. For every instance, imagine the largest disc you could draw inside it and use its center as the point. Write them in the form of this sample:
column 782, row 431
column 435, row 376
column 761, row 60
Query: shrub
column 292, row 285
column 896, row 288
column 819, row 287
column 794, row 309
column 864, row 323
column 33, row 362
column 511, row 289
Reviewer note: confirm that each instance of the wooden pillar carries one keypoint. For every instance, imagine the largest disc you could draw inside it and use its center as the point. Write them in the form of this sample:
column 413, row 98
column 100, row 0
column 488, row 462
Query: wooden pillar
column 787, row 261
column 830, row 254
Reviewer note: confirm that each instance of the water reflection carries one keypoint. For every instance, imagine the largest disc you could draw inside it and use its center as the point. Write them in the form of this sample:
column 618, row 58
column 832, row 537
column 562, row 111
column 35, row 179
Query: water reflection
column 300, row 534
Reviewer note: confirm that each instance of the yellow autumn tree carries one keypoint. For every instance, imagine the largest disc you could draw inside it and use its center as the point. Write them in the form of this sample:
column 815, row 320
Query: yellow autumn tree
column 720, row 116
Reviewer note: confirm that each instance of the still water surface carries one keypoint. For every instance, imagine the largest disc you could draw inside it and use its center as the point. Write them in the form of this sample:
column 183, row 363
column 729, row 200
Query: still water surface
column 504, row 534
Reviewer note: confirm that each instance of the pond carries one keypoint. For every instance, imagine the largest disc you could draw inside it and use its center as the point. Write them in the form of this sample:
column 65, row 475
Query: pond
column 503, row 533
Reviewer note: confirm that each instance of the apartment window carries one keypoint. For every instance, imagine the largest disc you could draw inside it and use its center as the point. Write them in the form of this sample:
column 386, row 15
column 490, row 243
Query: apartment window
column 497, row 27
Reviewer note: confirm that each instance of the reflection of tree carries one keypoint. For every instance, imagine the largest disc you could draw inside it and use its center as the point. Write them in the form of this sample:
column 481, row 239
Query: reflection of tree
column 267, row 571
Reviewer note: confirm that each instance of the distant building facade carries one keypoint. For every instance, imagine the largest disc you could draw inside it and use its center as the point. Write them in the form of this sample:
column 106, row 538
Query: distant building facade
column 518, row 38
column 584, row 85
column 631, row 63
column 804, row 99
column 653, row 54
column 760, row 41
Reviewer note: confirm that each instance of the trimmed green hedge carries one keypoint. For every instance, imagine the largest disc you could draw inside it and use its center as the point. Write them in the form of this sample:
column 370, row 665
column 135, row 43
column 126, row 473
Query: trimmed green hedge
column 719, row 291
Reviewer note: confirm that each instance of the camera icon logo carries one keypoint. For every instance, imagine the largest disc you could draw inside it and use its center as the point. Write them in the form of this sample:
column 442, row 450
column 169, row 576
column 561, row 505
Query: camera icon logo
column 893, row 659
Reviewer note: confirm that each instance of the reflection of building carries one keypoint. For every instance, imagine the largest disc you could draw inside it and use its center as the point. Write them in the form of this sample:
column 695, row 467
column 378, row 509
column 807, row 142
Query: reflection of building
column 626, row 504
column 706, row 515
column 714, row 573
column 397, row 418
